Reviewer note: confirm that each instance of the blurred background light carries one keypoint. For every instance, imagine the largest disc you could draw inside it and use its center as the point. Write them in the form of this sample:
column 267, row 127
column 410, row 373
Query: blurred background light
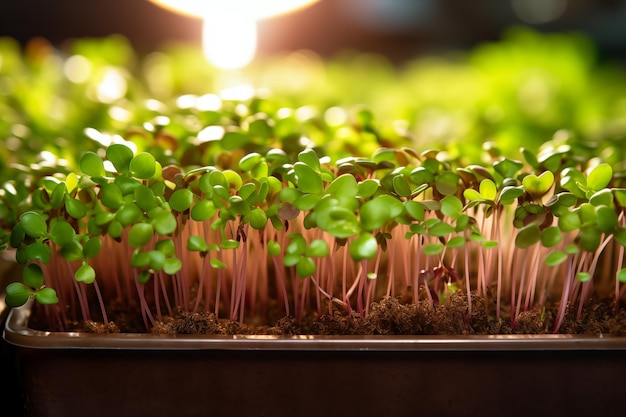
column 539, row 11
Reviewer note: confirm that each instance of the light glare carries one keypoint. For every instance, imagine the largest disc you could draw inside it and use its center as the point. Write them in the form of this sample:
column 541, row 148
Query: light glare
column 229, row 40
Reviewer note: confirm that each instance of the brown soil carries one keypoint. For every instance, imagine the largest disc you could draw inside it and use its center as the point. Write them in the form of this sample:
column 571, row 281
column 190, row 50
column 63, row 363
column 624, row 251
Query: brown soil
column 393, row 317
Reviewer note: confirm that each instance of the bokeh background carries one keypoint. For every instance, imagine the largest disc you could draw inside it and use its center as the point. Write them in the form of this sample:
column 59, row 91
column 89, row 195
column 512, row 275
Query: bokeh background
column 399, row 29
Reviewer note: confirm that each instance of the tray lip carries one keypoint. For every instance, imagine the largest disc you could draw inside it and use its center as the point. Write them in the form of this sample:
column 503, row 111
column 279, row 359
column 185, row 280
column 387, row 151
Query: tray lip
column 17, row 333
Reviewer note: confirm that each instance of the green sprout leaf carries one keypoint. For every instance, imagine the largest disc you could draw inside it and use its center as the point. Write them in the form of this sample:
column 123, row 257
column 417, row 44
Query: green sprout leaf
column 172, row 266
column 538, row 185
column 451, row 206
column 583, row 276
column 432, row 249
column 143, row 165
column 85, row 274
column 75, row 208
column 140, row 234
column 181, row 200
column 33, row 224
column 273, row 248
column 317, row 248
column 120, row 156
column 527, row 236
column 621, row 275
column 62, row 233
column 555, row 258
column 46, row 296
column 32, row 275
column 309, row 180
column 378, row 211
column 599, row 177
column 17, row 294
column 363, row 247
column 91, row 164
column 305, row 267
column 197, row 244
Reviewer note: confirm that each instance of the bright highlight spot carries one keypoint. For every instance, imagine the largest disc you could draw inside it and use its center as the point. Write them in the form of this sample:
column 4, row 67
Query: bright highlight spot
column 229, row 40
column 112, row 87
column 229, row 34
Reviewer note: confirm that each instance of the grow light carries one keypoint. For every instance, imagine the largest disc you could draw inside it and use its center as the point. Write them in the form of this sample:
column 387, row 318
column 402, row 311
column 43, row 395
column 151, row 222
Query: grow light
column 229, row 34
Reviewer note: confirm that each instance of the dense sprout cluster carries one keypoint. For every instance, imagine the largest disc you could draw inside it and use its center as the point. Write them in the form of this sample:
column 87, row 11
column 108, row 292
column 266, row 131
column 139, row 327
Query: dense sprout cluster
column 329, row 188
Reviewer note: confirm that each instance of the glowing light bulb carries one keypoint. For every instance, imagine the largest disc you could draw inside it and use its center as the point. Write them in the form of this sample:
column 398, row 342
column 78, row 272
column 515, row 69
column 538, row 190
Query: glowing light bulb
column 229, row 33
column 229, row 40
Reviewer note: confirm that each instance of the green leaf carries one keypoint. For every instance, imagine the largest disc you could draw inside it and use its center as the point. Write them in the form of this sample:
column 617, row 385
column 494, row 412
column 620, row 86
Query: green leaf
column 229, row 244
column 583, row 276
column 247, row 162
column 143, row 165
column 92, row 247
column 440, row 229
column 378, row 211
column 75, row 208
column 120, row 156
column 555, row 258
column 62, row 233
column 310, row 158
column 603, row 197
column 72, row 252
column 590, row 238
column 447, row 182
column 305, row 267
column 181, row 200
column 317, row 248
column 599, row 177
column 58, row 196
column 551, row 236
column 508, row 168
column 140, row 234
column 166, row 246
column 46, row 296
column 258, row 218
column 39, row 251
column 509, row 194
column 421, row 175
column 309, row 181
column 401, row 186
column 456, row 242
column 621, row 275
column 197, row 244
column 451, row 206
column 606, row 219
column 338, row 221
column 17, row 294
column 569, row 221
column 85, row 274
column 363, row 246
column 165, row 223
column 432, row 249
column 32, row 275
column 273, row 248
column 366, row 188
column 217, row 264
column 489, row 244
column 203, row 210
column 111, row 196
column 488, row 190
column 33, row 224
column 415, row 210
column 538, row 185
column 472, row 195
column 129, row 214
column 172, row 266
column 91, row 164
column 528, row 236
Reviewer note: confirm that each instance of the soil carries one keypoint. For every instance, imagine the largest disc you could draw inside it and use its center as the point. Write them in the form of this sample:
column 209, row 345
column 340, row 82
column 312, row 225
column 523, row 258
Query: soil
column 390, row 316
